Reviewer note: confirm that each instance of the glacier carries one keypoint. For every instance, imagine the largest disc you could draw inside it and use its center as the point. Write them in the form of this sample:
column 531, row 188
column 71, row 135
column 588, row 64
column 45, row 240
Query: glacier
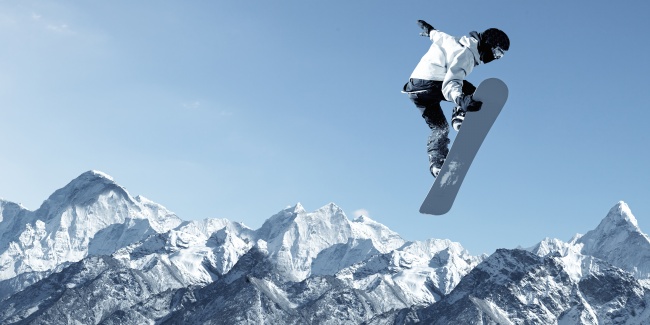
column 94, row 254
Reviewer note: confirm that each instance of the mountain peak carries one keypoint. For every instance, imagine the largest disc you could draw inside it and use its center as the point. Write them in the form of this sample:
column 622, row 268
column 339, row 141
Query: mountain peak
column 619, row 215
column 91, row 177
column 97, row 174
column 85, row 189
column 363, row 219
column 331, row 208
column 615, row 228
column 619, row 240
column 296, row 209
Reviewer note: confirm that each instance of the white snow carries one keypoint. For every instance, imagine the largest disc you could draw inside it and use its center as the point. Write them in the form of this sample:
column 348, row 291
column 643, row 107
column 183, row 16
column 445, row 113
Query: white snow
column 62, row 229
column 617, row 240
column 493, row 311
column 446, row 178
column 273, row 292
column 94, row 216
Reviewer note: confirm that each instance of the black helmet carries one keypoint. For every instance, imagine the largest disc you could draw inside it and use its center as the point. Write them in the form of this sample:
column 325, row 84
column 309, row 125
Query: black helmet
column 496, row 37
column 492, row 41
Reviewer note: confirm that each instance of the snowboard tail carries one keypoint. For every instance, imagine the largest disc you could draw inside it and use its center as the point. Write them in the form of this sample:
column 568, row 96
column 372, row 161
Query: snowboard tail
column 493, row 93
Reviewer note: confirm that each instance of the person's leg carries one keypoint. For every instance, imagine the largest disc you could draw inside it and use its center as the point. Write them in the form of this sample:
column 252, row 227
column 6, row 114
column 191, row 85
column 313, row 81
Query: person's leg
column 428, row 102
column 438, row 142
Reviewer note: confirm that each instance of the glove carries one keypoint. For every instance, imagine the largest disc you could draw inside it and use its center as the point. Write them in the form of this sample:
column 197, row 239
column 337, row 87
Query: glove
column 468, row 104
column 426, row 28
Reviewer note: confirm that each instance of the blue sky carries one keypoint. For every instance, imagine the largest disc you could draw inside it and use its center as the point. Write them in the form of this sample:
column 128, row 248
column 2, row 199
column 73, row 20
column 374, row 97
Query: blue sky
column 237, row 109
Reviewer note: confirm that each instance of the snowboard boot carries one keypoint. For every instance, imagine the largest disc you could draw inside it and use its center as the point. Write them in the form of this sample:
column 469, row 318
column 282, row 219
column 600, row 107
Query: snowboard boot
column 435, row 168
column 457, row 118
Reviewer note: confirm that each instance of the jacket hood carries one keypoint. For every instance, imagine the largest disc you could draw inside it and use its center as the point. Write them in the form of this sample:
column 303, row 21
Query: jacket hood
column 472, row 44
column 475, row 35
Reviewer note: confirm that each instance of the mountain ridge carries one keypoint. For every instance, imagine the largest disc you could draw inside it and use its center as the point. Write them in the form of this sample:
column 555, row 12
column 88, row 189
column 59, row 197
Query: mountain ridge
column 299, row 267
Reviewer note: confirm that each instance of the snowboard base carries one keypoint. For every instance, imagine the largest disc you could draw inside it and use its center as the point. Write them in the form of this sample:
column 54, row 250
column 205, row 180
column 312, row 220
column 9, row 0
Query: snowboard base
column 493, row 93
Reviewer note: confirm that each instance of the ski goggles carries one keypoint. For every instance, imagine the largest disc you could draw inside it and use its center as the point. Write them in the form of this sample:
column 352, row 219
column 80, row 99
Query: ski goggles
column 498, row 52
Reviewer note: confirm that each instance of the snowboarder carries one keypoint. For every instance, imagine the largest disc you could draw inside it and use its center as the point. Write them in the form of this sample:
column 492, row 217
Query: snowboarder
column 440, row 75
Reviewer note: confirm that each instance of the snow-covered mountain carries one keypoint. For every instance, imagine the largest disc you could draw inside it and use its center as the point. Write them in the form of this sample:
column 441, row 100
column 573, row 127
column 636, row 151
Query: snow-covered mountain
column 92, row 215
column 93, row 254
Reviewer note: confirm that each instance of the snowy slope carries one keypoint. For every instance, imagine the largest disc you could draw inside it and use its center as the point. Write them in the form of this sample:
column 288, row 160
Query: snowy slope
column 519, row 287
column 418, row 273
column 617, row 240
column 92, row 215
column 94, row 254
column 195, row 252
column 325, row 239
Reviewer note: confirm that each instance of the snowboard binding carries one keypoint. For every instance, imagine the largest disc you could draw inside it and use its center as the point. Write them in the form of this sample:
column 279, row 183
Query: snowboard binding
column 457, row 118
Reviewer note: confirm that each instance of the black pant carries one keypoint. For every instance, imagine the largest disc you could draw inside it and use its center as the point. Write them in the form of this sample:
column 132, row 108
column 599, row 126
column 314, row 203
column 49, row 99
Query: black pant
column 427, row 95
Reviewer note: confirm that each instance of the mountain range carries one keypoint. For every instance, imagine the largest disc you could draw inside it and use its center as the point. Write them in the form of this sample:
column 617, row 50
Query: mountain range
column 94, row 254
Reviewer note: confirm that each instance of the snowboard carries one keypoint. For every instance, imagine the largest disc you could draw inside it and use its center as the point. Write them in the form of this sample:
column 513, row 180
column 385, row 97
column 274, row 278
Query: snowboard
column 493, row 93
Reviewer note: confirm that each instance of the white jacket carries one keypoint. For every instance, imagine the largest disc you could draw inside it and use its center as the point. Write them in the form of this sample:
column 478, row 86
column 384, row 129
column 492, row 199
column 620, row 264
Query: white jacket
column 449, row 60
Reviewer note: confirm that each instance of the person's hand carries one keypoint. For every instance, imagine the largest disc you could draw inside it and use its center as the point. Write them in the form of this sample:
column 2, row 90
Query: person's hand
column 468, row 104
column 426, row 28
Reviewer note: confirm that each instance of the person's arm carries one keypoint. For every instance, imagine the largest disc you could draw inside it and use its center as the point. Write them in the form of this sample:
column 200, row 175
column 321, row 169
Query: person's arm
column 452, row 85
column 459, row 67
